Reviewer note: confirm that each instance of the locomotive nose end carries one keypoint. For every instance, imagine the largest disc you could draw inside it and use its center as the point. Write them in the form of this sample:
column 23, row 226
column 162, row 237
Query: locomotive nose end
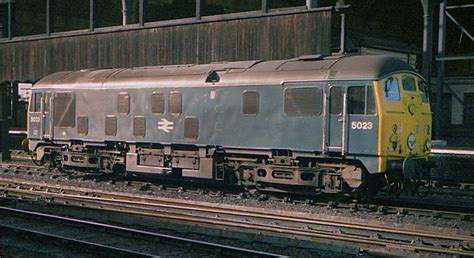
column 409, row 167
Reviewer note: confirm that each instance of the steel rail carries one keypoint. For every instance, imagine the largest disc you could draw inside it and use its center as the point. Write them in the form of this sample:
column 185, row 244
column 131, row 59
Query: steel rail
column 134, row 199
column 276, row 227
column 203, row 244
column 200, row 208
column 400, row 205
column 77, row 241
column 141, row 205
column 386, row 209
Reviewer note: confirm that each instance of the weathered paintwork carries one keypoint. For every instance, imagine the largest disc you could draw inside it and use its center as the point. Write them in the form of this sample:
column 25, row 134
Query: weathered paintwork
column 218, row 107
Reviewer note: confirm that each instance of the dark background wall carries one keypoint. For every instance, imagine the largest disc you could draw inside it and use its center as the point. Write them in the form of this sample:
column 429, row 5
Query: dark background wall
column 262, row 36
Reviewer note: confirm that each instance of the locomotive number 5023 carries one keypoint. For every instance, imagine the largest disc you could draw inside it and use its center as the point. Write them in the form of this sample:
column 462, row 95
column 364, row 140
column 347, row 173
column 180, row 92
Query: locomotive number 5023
column 359, row 125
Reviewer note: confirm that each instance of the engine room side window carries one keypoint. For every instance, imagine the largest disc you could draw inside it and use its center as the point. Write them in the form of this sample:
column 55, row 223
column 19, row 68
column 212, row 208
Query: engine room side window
column 64, row 110
column 409, row 84
column 123, row 104
column 391, row 89
column 191, row 128
column 303, row 101
column 139, row 126
column 36, row 102
column 250, row 102
column 157, row 103
column 176, row 103
column 111, row 125
column 83, row 125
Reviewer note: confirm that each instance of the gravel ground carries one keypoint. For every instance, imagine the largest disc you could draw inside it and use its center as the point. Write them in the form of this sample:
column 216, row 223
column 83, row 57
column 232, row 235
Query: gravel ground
column 12, row 245
column 153, row 189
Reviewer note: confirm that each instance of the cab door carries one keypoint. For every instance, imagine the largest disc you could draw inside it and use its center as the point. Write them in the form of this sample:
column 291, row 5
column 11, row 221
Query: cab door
column 39, row 116
column 351, row 124
column 335, row 122
column 35, row 125
column 46, row 115
column 361, row 119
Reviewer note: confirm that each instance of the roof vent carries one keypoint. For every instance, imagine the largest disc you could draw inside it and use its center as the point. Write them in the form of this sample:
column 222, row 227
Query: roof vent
column 213, row 76
column 311, row 57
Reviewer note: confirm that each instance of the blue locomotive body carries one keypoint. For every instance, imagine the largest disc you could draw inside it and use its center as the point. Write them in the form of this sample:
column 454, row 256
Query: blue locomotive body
column 269, row 125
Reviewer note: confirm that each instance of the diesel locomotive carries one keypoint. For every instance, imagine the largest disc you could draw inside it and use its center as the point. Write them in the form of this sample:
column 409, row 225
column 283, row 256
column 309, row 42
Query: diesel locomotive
column 311, row 124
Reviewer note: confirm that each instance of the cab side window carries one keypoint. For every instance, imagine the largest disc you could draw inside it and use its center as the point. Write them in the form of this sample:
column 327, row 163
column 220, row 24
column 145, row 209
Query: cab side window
column 356, row 100
column 391, row 89
column 409, row 84
column 64, row 110
column 35, row 105
column 423, row 91
column 335, row 101
column 371, row 107
column 361, row 101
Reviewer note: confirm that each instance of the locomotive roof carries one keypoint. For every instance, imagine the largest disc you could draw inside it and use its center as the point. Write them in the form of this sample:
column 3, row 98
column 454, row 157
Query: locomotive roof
column 305, row 68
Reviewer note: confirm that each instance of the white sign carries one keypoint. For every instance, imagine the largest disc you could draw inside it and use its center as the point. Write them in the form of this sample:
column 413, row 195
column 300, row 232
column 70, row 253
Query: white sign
column 165, row 125
column 24, row 91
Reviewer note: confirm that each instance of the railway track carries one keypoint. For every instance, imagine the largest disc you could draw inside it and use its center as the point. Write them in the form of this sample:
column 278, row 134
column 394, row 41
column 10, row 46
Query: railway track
column 369, row 237
column 113, row 240
column 429, row 204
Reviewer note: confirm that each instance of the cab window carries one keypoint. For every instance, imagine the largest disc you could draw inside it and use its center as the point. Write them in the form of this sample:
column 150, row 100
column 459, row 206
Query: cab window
column 371, row 108
column 335, row 101
column 64, row 110
column 391, row 89
column 361, row 100
column 423, row 91
column 46, row 102
column 409, row 84
column 356, row 100
column 35, row 105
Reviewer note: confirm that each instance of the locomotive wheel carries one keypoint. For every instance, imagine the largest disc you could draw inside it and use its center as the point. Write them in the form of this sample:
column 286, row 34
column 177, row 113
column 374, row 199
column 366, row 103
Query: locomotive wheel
column 401, row 185
column 394, row 183
column 120, row 171
column 35, row 161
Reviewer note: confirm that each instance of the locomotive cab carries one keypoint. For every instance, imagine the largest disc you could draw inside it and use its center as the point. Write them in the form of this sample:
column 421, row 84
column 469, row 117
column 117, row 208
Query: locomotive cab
column 40, row 127
column 405, row 132
column 39, row 115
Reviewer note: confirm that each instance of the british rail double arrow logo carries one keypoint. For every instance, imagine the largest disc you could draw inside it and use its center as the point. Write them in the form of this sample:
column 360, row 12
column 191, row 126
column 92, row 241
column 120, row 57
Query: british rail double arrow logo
column 165, row 125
